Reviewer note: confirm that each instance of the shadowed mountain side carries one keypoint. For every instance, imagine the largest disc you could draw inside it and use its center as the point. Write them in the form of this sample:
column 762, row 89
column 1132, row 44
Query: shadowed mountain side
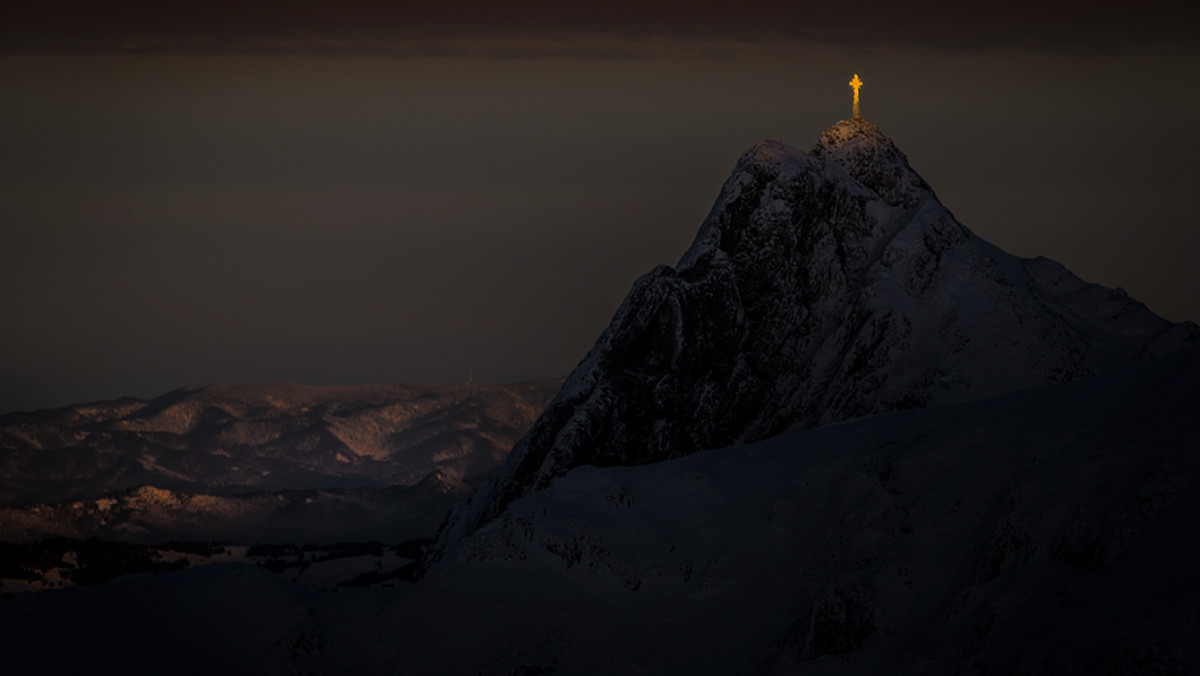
column 226, row 440
column 823, row 286
column 1044, row 531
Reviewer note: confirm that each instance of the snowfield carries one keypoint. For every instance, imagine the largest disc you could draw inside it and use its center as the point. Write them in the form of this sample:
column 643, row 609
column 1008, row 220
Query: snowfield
column 1052, row 530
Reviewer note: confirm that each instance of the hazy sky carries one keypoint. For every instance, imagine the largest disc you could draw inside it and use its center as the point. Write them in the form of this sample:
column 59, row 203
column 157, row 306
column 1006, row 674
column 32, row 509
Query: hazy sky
column 371, row 192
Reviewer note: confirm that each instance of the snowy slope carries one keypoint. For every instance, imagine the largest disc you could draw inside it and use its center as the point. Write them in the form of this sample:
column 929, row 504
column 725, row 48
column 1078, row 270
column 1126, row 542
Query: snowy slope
column 233, row 618
column 1046, row 531
column 823, row 286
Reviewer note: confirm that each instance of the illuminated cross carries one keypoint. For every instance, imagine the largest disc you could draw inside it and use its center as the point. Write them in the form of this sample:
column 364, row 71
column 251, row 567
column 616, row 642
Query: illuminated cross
column 856, row 83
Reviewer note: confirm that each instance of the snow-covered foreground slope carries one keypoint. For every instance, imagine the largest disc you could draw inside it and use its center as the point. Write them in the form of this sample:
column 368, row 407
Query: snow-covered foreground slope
column 1053, row 530
column 219, row 619
column 1045, row 531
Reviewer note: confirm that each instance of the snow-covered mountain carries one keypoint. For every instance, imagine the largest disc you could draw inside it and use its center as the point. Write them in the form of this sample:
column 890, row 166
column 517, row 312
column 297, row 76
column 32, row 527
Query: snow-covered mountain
column 823, row 286
column 1047, row 531
column 224, row 440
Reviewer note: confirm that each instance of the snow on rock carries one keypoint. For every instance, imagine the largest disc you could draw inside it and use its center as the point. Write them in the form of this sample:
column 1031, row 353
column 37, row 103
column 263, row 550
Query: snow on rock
column 1044, row 531
column 822, row 287
column 210, row 619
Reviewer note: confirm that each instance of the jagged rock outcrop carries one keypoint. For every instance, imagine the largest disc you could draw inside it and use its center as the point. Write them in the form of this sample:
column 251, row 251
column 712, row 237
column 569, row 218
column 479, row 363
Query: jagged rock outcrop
column 823, row 286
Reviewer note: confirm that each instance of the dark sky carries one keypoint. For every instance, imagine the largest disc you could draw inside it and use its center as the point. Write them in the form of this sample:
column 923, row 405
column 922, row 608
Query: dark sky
column 373, row 192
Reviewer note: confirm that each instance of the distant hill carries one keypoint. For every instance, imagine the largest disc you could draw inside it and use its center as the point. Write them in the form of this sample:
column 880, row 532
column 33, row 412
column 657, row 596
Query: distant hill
column 252, row 461
column 150, row 515
column 230, row 439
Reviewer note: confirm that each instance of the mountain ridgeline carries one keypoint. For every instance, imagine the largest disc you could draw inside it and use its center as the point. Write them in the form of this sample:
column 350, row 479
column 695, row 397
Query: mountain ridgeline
column 229, row 439
column 823, row 286
column 258, row 461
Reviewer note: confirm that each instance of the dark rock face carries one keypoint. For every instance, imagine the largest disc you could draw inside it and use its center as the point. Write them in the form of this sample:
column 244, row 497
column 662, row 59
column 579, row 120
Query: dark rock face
column 823, row 286
column 840, row 622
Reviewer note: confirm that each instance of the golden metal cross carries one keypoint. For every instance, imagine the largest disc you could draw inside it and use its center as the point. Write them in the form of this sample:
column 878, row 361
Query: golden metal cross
column 856, row 83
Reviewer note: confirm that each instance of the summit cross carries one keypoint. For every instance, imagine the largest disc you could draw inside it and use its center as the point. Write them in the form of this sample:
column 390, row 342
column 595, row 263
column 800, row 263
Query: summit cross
column 856, row 83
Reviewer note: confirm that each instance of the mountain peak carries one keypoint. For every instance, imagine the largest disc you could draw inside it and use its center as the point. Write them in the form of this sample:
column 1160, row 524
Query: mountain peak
column 872, row 158
column 823, row 286
column 858, row 147
column 858, row 129
column 858, row 132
